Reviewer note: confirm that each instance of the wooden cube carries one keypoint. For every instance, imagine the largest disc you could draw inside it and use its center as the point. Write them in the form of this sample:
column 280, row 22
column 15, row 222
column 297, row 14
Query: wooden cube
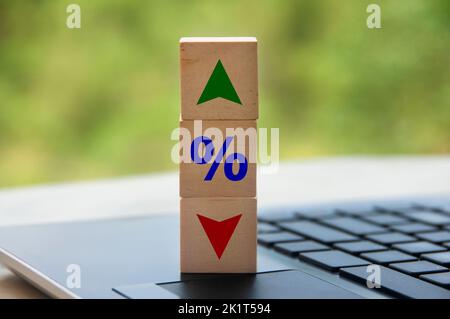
column 218, row 235
column 201, row 180
column 219, row 78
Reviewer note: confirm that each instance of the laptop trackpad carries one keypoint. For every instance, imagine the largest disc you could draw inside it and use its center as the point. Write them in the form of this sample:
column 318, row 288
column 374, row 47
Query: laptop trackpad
column 289, row 284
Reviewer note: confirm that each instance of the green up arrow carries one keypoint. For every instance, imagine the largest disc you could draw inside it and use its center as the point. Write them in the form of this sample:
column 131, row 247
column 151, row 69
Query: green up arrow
column 219, row 85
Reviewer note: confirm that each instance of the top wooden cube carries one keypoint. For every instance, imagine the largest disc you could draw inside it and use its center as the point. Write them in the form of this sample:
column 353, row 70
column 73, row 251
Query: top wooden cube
column 219, row 78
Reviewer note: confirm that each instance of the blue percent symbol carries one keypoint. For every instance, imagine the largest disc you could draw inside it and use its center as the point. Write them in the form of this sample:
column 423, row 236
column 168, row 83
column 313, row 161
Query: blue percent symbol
column 209, row 153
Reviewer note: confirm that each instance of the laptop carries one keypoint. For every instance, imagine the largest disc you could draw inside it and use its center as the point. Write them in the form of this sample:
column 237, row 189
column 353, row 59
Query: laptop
column 396, row 248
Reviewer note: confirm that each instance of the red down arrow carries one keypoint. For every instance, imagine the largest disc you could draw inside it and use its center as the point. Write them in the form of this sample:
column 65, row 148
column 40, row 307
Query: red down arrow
column 219, row 232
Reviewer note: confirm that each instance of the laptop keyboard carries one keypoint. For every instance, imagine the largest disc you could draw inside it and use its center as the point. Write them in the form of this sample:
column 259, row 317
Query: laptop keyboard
column 410, row 241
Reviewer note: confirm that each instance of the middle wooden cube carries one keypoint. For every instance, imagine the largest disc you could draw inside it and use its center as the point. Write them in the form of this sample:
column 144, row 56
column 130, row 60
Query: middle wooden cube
column 218, row 158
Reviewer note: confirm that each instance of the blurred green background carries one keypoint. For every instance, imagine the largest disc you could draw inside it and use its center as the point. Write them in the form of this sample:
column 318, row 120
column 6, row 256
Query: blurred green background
column 102, row 100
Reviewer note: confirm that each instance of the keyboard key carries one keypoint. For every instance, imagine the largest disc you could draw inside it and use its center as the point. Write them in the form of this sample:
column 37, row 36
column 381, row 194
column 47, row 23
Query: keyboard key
column 436, row 237
column 294, row 248
column 276, row 216
column 281, row 237
column 316, row 212
column 415, row 208
column 354, row 226
column 415, row 268
column 385, row 219
column 444, row 208
column 356, row 209
column 398, row 284
column 413, row 228
column 267, row 228
column 388, row 257
column 391, row 238
column 439, row 258
column 318, row 232
column 431, row 218
column 358, row 247
column 419, row 247
column 393, row 206
column 332, row 259
column 441, row 279
column 438, row 205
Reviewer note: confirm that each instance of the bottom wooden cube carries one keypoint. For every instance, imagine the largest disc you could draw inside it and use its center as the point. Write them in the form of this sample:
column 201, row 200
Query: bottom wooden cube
column 218, row 235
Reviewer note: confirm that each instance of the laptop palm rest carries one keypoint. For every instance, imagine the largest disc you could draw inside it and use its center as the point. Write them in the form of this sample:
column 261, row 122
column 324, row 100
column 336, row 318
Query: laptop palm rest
column 288, row 284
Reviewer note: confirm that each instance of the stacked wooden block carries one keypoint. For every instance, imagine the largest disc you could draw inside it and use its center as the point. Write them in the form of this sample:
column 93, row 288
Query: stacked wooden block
column 219, row 85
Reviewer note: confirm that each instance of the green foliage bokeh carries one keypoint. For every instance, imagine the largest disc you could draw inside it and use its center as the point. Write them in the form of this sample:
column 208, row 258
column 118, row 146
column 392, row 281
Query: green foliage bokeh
column 102, row 100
